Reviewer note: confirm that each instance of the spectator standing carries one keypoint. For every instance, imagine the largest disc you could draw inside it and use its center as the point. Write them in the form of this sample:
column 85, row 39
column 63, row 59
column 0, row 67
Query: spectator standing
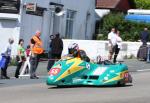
column 144, row 36
column 27, row 62
column 7, row 55
column 20, row 57
column 50, row 61
column 118, row 45
column 28, row 51
column 142, row 52
column 56, row 47
column 36, row 50
column 112, row 42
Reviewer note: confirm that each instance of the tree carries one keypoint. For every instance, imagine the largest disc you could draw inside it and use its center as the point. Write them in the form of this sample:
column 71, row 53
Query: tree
column 142, row 4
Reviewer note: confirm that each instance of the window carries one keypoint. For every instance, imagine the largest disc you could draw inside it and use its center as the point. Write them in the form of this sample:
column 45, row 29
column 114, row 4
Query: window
column 9, row 6
column 69, row 23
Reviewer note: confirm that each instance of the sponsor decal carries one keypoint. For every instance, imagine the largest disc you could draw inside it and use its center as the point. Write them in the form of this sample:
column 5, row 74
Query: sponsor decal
column 77, row 79
column 88, row 66
column 105, row 78
column 124, row 75
column 108, row 75
column 51, row 77
column 99, row 70
column 54, row 71
column 112, row 71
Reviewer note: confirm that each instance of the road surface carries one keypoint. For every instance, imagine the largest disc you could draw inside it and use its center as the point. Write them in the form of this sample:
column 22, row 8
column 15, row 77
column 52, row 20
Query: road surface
column 25, row 90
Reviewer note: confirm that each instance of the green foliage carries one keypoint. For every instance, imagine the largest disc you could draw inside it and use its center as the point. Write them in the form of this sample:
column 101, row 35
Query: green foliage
column 13, row 62
column 142, row 4
column 130, row 31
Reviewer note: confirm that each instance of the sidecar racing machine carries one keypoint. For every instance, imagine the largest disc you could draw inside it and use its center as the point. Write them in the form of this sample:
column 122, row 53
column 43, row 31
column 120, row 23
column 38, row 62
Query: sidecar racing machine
column 76, row 72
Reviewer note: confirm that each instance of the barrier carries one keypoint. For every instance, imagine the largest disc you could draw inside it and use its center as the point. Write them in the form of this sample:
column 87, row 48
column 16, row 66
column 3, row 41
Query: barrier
column 148, row 54
column 2, row 62
column 25, row 67
column 94, row 48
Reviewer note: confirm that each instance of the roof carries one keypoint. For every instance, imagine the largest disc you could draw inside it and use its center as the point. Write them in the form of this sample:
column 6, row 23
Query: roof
column 107, row 3
column 122, row 5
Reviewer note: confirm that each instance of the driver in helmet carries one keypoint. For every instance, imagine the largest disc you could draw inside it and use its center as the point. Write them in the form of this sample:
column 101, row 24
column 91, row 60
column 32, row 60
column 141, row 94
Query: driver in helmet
column 73, row 50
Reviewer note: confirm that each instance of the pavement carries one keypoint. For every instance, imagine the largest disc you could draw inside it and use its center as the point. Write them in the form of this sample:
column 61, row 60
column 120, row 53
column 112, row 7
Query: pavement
column 25, row 90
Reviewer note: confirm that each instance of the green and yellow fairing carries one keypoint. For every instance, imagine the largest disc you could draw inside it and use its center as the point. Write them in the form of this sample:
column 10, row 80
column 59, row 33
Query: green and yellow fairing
column 74, row 71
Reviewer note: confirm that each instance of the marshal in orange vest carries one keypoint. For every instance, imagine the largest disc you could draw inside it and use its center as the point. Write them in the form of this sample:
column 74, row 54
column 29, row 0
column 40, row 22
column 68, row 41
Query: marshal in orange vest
column 37, row 47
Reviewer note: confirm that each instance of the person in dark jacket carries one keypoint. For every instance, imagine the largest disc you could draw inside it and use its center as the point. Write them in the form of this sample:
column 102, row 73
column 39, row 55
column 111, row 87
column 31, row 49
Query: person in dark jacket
column 142, row 52
column 144, row 36
column 56, row 49
column 50, row 62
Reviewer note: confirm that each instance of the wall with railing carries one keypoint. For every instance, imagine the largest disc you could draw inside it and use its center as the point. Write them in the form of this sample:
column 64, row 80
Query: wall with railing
column 94, row 48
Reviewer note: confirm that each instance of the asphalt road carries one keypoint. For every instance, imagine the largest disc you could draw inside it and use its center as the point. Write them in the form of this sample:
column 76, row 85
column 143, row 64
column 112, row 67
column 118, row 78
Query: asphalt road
column 36, row 91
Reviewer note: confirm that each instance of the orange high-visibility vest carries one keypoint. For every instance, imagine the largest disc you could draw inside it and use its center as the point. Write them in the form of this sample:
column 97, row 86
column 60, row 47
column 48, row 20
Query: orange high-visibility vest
column 37, row 48
column 78, row 55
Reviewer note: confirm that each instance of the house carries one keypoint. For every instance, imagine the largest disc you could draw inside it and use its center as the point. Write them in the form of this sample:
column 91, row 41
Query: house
column 103, row 7
column 9, row 23
column 73, row 19
column 117, row 5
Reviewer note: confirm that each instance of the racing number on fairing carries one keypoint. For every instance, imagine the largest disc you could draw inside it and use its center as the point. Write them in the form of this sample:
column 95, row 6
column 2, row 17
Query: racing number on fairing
column 126, row 75
column 54, row 71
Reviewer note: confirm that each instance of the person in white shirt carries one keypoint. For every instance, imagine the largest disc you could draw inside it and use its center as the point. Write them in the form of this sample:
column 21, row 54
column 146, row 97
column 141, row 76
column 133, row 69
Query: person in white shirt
column 118, row 45
column 7, row 55
column 112, row 43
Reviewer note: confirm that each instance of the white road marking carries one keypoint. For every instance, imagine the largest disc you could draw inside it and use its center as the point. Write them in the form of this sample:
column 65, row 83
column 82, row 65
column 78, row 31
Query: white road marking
column 142, row 70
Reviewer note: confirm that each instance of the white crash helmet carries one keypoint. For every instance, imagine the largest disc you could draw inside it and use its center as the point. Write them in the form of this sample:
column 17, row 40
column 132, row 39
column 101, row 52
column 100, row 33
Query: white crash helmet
column 73, row 46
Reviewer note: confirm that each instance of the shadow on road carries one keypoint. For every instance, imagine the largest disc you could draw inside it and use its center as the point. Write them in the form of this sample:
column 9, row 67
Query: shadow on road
column 2, row 84
column 81, row 86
